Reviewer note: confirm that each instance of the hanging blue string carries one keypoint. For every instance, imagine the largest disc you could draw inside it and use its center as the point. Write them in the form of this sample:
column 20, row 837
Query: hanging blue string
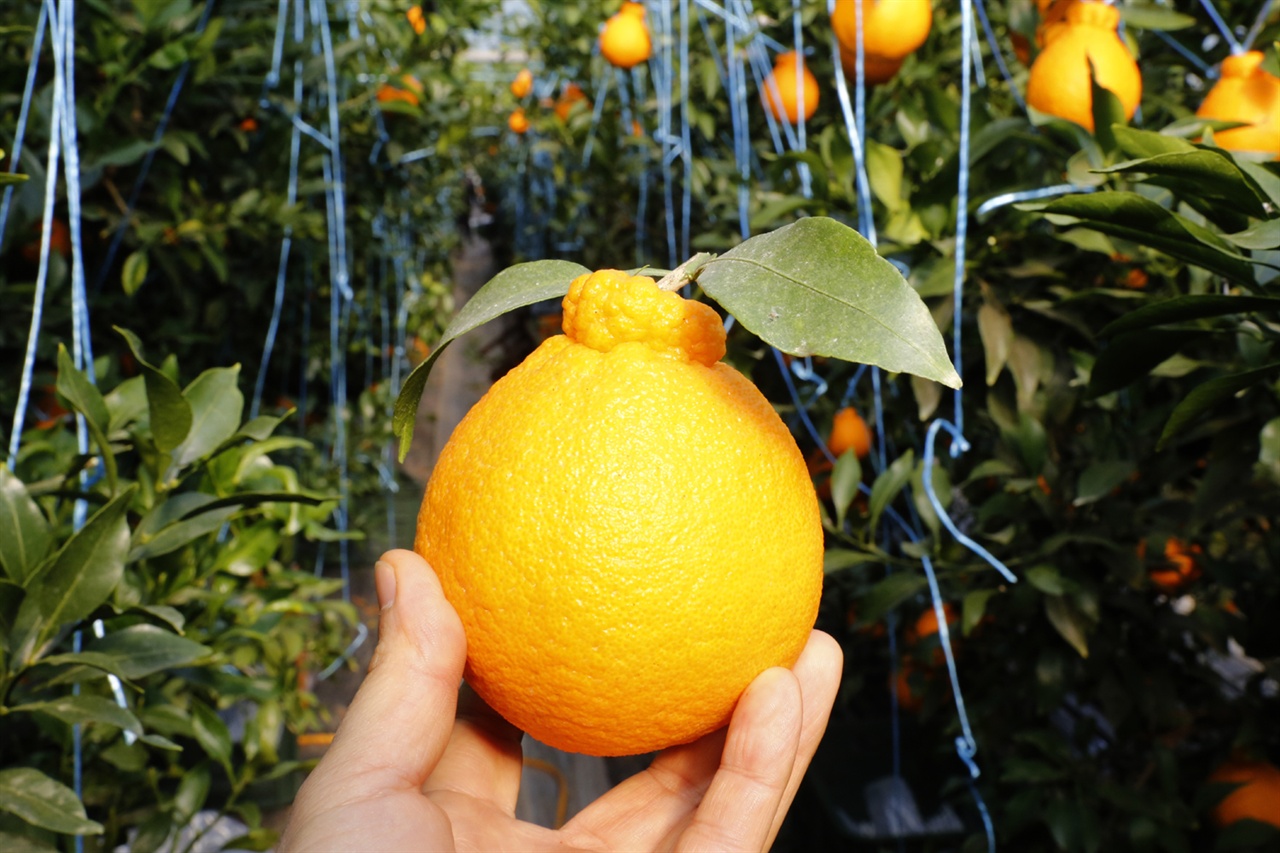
column 601, row 91
column 998, row 53
column 20, row 132
column 1256, row 29
column 1005, row 199
column 1236, row 47
column 1205, row 68
column 962, row 216
column 853, row 129
column 686, row 145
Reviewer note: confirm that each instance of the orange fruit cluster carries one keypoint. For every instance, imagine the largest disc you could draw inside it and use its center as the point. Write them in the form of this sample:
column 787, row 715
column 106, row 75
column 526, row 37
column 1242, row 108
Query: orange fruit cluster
column 625, row 40
column 791, row 89
column 1179, row 567
column 1245, row 93
column 595, row 521
column 1059, row 83
column 403, row 89
column 891, row 29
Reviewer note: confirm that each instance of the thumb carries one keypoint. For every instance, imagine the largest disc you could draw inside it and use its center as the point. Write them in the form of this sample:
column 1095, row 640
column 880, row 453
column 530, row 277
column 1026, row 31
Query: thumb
column 400, row 720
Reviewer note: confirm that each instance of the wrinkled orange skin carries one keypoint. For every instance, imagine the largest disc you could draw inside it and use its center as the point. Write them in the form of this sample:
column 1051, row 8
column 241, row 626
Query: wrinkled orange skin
column 1059, row 82
column 780, row 89
column 1246, row 93
column 596, row 520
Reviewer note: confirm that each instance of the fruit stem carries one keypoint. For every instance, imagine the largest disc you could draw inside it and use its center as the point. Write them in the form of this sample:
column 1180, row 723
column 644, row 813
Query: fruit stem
column 686, row 273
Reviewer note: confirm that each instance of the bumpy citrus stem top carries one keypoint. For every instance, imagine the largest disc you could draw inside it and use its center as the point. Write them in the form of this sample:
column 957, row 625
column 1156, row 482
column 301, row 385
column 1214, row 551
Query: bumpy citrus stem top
column 608, row 308
column 1094, row 15
column 1242, row 64
column 634, row 9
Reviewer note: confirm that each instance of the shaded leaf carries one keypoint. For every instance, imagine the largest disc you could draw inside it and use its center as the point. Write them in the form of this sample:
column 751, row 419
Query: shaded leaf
column 1184, row 308
column 887, row 486
column 1133, row 217
column 74, row 710
column 24, row 531
column 1097, row 480
column 817, row 287
column 216, row 406
column 1107, row 111
column 1149, row 16
column 212, row 734
column 169, row 410
column 86, row 399
column 1132, row 356
column 1068, row 622
column 846, row 476
column 516, row 287
column 1209, row 394
column 134, row 272
column 193, row 791
column 974, row 608
column 1047, row 579
column 1264, row 235
column 888, row 594
column 11, row 842
column 839, row 559
column 1147, row 143
column 43, row 801
column 1208, row 173
column 143, row 649
column 995, row 327
column 180, row 533
column 81, row 577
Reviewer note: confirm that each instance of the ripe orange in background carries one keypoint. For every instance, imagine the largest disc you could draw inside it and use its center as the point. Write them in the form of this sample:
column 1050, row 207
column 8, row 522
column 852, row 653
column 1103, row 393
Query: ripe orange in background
column 518, row 122
column 416, row 19
column 596, row 522
column 1246, row 93
column 876, row 69
column 1059, row 81
column 571, row 95
column 849, row 431
column 404, row 89
column 625, row 41
column 1180, row 564
column 1257, row 798
column 522, row 85
column 248, row 125
column 780, row 89
column 59, row 241
column 890, row 28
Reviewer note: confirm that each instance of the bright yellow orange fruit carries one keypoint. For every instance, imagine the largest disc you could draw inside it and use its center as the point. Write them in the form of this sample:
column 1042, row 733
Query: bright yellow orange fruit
column 783, row 97
column 625, row 527
column 625, row 41
column 1247, row 93
column 1059, row 82
column 890, row 28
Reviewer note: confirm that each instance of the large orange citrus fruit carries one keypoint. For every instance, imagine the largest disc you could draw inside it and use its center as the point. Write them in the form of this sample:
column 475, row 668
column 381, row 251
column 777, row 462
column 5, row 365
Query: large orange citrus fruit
column 1247, row 93
column 890, row 28
column 849, row 432
column 1257, row 798
column 625, row 528
column 781, row 91
column 625, row 41
column 1059, row 81
column 876, row 69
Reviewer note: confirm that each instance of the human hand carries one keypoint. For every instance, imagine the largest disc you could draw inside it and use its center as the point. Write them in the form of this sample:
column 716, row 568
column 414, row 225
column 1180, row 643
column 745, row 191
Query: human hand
column 417, row 766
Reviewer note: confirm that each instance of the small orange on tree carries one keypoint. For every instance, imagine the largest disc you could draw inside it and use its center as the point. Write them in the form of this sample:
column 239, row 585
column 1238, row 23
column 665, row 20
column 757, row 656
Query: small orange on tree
column 849, row 432
column 1246, row 93
column 569, row 98
column 404, row 89
column 518, row 122
column 522, row 85
column 1256, row 798
column 416, row 18
column 791, row 89
column 1179, row 567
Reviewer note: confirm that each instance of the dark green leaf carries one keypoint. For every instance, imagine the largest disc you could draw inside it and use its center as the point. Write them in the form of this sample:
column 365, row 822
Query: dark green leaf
column 1267, row 180
column 1209, row 394
column 82, row 666
column 127, row 402
column 170, row 412
column 134, row 272
column 1131, row 356
column 85, row 709
column 1107, row 111
column 1133, row 217
column 212, row 735
column 164, row 613
column 1068, row 622
column 1148, row 16
column 248, row 499
column 81, row 577
column 24, row 531
column 974, row 608
column 44, row 802
column 192, row 791
column 1183, row 308
column 521, row 285
column 11, row 842
column 888, row 594
column 7, row 179
column 216, row 406
column 179, row 534
column 838, row 559
column 1097, row 480
column 1211, row 174
column 1147, row 143
column 846, row 476
column 86, row 399
column 887, row 486
column 141, row 650
column 259, row 429
column 1047, row 579
column 817, row 287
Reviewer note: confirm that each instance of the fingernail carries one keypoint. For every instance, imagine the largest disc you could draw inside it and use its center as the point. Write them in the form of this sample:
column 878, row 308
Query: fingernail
column 384, row 578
